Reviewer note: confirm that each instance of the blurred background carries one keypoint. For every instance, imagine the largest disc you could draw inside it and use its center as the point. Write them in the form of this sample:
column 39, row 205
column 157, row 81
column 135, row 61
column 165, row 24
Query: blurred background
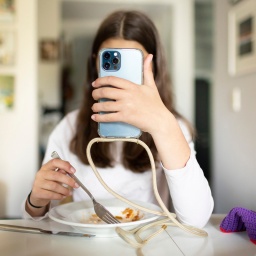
column 44, row 46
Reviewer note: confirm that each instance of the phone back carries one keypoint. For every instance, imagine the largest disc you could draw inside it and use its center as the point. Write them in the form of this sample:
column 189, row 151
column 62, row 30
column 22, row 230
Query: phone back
column 127, row 64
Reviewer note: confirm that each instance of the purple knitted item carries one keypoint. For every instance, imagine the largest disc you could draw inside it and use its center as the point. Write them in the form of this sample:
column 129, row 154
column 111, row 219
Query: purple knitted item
column 240, row 219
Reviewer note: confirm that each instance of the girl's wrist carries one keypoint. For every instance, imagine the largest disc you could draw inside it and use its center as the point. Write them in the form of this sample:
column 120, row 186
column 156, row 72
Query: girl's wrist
column 172, row 147
column 163, row 126
column 35, row 210
column 31, row 204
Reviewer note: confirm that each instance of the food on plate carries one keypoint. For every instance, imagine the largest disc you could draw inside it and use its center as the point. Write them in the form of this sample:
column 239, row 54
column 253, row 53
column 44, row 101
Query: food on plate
column 130, row 214
column 127, row 215
column 94, row 219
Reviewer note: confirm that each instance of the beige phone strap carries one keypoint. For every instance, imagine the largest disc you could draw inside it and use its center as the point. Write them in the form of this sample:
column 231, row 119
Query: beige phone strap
column 167, row 218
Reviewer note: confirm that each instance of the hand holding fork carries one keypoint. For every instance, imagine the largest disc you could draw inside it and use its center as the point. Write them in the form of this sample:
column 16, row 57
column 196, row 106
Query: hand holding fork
column 99, row 209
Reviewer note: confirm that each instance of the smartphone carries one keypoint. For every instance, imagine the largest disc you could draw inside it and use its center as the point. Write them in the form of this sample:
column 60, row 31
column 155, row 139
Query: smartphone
column 127, row 64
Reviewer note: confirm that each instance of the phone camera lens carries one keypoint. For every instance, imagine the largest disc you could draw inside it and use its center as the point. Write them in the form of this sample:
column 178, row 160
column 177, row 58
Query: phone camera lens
column 106, row 65
column 106, row 55
column 115, row 61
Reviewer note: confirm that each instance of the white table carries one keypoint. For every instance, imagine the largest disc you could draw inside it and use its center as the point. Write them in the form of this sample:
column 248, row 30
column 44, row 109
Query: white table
column 216, row 244
column 173, row 241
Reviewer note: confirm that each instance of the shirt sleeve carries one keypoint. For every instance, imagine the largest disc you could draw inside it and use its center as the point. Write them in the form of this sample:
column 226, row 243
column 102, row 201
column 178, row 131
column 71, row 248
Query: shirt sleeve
column 190, row 191
column 26, row 215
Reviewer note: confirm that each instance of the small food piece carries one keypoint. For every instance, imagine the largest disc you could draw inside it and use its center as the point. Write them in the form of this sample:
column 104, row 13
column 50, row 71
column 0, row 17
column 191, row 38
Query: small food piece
column 131, row 215
column 127, row 215
column 94, row 219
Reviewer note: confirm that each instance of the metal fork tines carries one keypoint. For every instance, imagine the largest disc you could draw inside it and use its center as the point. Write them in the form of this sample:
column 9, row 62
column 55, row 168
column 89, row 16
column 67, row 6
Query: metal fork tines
column 99, row 209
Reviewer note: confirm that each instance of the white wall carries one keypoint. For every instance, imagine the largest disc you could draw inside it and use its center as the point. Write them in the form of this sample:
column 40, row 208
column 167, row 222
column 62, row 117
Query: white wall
column 183, row 56
column 234, row 140
column 49, row 71
column 19, row 127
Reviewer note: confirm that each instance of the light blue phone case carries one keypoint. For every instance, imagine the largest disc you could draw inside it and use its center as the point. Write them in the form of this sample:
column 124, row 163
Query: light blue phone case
column 130, row 67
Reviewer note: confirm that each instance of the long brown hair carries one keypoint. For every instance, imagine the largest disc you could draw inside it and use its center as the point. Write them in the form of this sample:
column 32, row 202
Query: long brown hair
column 128, row 25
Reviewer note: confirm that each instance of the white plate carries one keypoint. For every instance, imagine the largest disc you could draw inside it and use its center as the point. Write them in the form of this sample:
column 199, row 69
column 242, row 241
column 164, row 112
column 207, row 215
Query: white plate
column 77, row 213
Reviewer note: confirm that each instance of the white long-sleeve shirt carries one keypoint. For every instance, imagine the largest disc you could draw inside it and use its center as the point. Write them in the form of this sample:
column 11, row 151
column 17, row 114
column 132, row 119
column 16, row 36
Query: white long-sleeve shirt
column 188, row 188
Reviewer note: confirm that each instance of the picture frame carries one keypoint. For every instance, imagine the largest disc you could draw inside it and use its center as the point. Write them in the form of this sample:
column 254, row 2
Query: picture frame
column 7, row 10
column 242, row 38
column 49, row 50
column 7, row 83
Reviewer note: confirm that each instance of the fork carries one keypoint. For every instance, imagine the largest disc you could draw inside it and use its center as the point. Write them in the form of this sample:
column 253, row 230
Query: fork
column 99, row 209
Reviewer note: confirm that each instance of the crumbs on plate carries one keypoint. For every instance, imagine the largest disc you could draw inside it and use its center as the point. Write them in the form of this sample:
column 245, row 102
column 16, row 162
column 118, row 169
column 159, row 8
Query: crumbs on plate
column 127, row 215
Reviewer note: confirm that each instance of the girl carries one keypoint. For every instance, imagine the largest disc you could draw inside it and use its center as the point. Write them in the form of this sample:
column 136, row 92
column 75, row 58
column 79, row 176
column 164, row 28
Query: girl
column 125, row 167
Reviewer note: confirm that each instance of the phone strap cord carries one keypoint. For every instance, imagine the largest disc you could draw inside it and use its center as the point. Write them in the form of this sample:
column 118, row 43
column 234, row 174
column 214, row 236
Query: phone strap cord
column 170, row 218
